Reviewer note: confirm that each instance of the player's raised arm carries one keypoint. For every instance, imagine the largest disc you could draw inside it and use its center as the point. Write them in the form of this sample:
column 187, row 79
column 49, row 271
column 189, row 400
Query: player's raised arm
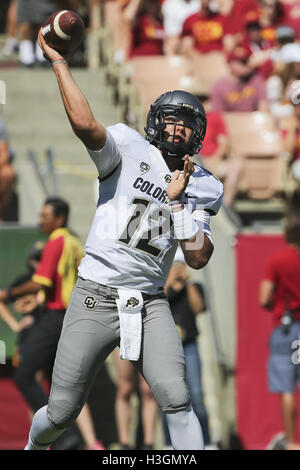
column 83, row 123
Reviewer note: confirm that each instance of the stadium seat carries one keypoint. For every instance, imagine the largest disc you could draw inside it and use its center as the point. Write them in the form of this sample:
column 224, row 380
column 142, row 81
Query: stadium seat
column 152, row 75
column 254, row 137
column 206, row 70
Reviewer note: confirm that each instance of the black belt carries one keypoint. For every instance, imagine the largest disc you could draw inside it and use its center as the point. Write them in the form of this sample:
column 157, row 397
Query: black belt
column 112, row 293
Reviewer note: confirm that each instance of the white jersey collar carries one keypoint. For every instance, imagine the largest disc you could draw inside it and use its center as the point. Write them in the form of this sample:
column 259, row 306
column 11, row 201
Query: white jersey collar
column 159, row 162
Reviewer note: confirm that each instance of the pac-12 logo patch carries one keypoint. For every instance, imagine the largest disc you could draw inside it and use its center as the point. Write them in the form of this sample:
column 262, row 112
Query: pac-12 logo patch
column 144, row 167
column 132, row 302
column 168, row 178
column 90, row 302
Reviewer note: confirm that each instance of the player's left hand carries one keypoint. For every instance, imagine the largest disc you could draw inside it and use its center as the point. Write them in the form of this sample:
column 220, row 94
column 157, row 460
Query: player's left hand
column 178, row 184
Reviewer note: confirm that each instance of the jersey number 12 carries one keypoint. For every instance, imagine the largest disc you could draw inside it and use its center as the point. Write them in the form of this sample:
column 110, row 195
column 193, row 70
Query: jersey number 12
column 160, row 224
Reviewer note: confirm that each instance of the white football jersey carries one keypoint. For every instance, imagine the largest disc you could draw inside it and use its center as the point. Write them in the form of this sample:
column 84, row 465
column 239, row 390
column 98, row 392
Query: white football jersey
column 131, row 243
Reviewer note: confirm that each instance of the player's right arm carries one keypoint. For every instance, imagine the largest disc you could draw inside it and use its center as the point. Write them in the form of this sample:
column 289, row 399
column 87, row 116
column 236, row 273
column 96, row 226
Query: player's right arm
column 266, row 292
column 83, row 123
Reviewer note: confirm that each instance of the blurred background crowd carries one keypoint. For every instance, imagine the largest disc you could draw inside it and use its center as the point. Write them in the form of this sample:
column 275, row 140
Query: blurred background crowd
column 242, row 59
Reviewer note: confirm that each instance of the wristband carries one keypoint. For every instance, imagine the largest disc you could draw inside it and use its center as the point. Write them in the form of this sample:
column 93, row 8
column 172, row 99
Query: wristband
column 176, row 201
column 61, row 61
column 185, row 227
column 176, row 207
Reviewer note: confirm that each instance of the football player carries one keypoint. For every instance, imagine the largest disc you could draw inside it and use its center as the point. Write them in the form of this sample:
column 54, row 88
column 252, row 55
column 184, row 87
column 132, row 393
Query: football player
column 151, row 197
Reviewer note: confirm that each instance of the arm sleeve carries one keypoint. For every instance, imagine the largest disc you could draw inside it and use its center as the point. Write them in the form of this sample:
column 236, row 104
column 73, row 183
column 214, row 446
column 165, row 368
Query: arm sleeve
column 108, row 158
column 46, row 271
column 208, row 193
column 202, row 219
column 206, row 199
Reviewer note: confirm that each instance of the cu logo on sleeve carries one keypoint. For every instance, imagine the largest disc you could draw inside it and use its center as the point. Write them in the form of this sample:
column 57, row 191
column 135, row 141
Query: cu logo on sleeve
column 90, row 302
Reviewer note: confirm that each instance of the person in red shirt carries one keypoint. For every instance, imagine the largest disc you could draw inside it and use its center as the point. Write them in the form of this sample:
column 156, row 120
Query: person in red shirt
column 147, row 31
column 272, row 13
column 291, row 138
column 243, row 89
column 214, row 152
column 280, row 293
column 204, row 31
column 260, row 48
column 241, row 9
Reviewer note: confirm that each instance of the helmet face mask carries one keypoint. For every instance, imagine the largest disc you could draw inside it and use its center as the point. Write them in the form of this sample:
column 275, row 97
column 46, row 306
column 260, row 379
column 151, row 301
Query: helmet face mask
column 173, row 111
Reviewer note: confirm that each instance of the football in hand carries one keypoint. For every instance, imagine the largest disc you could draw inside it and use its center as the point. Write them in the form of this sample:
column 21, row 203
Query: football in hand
column 63, row 31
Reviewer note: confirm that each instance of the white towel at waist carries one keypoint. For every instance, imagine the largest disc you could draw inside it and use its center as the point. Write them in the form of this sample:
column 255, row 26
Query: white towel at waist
column 130, row 304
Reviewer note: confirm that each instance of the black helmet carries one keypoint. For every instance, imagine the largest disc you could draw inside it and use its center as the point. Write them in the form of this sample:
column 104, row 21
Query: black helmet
column 188, row 107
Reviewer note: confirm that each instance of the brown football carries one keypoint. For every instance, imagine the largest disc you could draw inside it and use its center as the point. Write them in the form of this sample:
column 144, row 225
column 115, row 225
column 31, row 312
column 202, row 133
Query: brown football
column 63, row 31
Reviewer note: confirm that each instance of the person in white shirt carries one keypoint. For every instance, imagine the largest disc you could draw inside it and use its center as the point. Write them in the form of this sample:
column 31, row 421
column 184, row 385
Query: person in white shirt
column 175, row 13
column 151, row 198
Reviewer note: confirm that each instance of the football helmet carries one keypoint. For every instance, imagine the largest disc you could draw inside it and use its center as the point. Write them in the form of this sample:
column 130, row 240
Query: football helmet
column 180, row 106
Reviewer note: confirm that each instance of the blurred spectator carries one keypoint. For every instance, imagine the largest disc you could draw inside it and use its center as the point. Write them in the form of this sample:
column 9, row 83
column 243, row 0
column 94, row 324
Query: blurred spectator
column 252, row 34
column 293, row 10
column 286, row 60
column 273, row 14
column 11, row 43
column 145, row 18
column 236, row 11
column 31, row 16
column 287, row 50
column 243, row 90
column 260, row 48
column 205, row 30
column 33, row 311
column 186, row 300
column 280, row 293
column 214, row 153
column 127, row 381
column 291, row 140
column 26, row 305
column 7, row 172
column 175, row 13
column 280, row 90
column 94, row 14
column 239, row 12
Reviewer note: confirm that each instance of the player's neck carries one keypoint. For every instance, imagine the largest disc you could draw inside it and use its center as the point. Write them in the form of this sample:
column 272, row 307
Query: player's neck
column 172, row 163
